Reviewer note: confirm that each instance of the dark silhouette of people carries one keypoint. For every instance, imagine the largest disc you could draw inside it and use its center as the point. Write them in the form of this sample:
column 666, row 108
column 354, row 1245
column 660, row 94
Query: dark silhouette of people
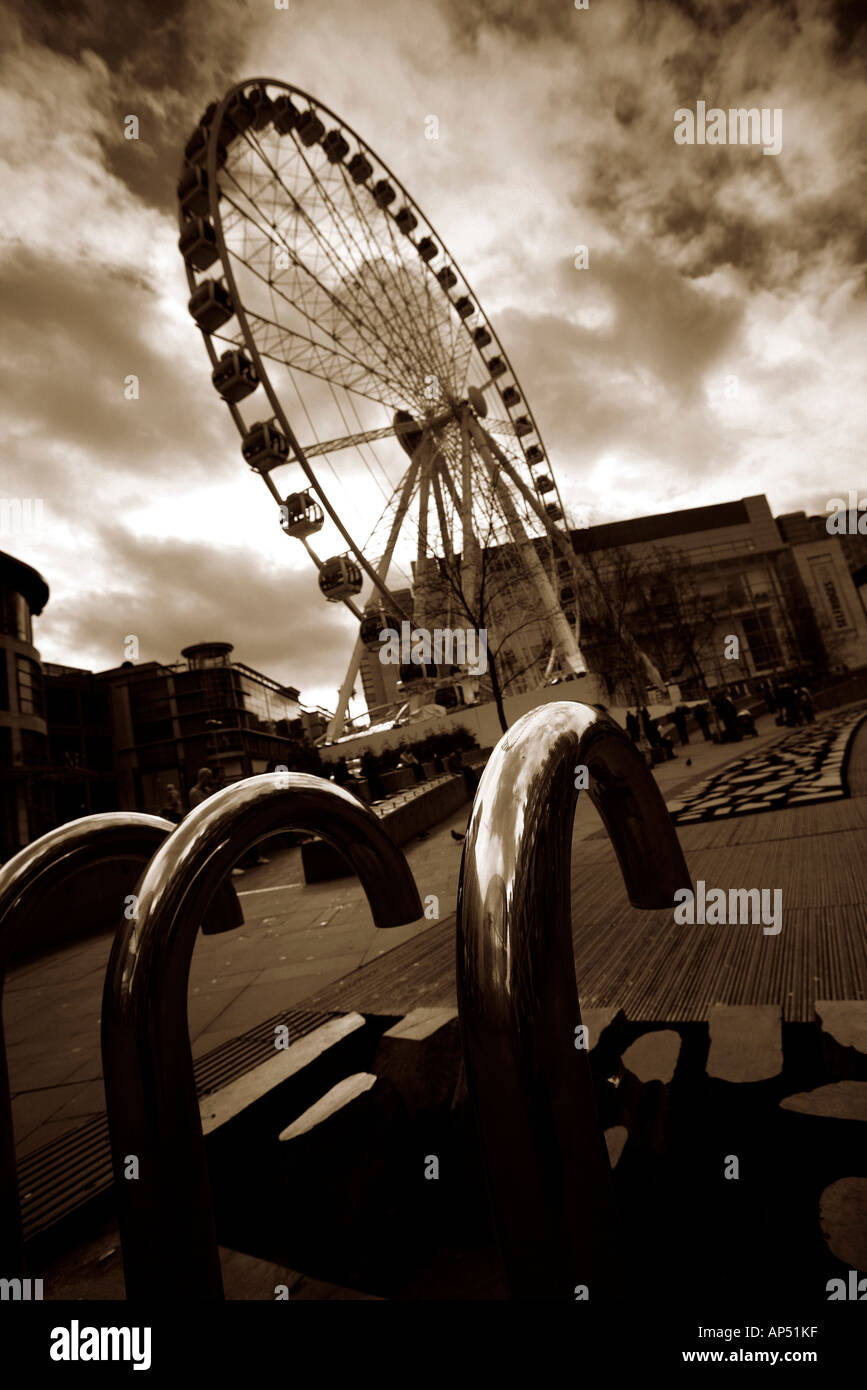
column 729, row 716
column 679, row 717
column 702, row 719
column 409, row 759
column 341, row 773
column 789, row 705
column 370, row 770
column 633, row 728
column 651, row 729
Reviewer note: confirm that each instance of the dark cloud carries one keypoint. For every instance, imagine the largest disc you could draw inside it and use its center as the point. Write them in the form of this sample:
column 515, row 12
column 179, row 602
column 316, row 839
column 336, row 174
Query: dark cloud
column 165, row 62
column 170, row 593
column 78, row 332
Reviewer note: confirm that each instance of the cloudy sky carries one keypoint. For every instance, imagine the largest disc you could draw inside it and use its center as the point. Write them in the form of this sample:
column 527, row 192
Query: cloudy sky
column 714, row 347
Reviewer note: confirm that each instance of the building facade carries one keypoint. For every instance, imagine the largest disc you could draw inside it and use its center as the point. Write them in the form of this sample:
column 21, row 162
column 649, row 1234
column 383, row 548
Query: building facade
column 23, row 729
column 134, row 731
column 783, row 590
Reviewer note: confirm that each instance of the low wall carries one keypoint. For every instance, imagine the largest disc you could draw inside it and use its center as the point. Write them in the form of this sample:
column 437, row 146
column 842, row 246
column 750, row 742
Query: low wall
column 847, row 692
column 482, row 720
column 321, row 862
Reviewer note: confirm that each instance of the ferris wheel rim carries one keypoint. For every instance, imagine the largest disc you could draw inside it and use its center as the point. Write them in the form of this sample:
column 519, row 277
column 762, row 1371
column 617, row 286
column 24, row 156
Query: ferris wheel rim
column 319, row 107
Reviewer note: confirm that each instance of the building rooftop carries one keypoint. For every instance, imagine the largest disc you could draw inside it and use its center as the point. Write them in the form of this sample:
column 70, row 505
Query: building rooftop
column 661, row 526
column 25, row 580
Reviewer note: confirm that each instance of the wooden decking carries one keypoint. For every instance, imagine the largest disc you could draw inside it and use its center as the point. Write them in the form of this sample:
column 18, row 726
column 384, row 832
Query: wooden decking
column 655, row 970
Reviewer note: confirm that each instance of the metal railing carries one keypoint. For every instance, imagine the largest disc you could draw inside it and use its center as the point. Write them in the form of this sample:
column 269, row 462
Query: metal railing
column 530, row 1085
column 164, row 1200
column 33, row 887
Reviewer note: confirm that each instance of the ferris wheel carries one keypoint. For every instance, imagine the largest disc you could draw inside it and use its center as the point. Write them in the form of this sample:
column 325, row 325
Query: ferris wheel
column 332, row 309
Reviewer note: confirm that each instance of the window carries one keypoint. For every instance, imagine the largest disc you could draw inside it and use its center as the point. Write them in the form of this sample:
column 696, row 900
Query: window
column 30, row 699
column 762, row 639
column 33, row 748
column 15, row 616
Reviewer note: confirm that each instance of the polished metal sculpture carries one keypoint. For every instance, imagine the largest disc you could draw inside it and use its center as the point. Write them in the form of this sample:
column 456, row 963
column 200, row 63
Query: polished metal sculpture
column 65, row 872
column 166, row 1218
column 530, row 1086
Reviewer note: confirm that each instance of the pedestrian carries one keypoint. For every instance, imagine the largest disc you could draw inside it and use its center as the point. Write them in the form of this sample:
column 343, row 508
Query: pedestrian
column 789, row 706
column 806, row 704
column 370, row 765
column 729, row 716
column 702, row 719
column 651, row 729
column 174, row 807
column 341, row 773
column 203, row 789
column 679, row 717
column 633, row 728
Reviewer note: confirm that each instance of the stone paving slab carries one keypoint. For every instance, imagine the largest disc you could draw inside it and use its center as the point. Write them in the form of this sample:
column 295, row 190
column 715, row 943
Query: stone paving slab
column 745, row 1042
column 802, row 766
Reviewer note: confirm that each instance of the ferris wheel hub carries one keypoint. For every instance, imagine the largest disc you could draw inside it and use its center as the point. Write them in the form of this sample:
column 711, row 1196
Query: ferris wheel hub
column 477, row 401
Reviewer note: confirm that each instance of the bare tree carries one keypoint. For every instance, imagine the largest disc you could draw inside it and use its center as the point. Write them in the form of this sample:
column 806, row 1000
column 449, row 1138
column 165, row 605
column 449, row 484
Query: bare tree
column 494, row 595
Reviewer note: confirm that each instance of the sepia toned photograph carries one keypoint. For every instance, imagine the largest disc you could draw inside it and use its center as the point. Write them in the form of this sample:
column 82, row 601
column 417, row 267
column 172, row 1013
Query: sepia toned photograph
column 433, row 677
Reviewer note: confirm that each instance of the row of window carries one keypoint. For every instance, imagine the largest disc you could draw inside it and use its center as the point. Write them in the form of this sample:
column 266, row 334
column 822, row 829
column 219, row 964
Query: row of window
column 15, row 616
column 28, row 678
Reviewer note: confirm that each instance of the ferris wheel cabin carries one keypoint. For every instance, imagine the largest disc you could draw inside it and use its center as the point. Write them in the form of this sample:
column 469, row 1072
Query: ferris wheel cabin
column 193, row 191
column 197, row 244
column 264, row 447
column 300, row 516
column 375, row 621
column 211, row 305
column 340, row 578
column 234, row 376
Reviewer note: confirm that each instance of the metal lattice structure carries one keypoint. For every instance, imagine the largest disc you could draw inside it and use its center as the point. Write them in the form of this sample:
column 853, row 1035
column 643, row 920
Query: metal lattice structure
column 321, row 287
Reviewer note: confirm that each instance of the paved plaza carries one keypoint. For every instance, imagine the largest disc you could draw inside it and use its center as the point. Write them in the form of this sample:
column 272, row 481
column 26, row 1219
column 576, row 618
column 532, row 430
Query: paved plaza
column 317, row 943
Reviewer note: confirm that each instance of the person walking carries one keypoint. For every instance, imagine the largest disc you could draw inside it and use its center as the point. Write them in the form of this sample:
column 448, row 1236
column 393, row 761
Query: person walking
column 651, row 729
column 679, row 717
column 370, row 765
column 341, row 773
column 702, row 720
column 203, row 789
column 633, row 728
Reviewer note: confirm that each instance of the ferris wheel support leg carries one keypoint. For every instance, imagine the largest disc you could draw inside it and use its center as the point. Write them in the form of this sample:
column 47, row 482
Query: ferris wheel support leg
column 335, row 728
column 563, row 636
column 470, row 558
column 561, row 544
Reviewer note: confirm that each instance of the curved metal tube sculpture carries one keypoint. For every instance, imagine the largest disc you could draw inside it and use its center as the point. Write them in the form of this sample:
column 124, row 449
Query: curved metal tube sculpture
column 82, row 849
column 166, row 1217
column 530, row 1086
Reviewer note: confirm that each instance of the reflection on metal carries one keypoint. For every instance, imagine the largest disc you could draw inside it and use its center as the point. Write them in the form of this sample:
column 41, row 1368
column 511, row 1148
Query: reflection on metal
column 530, row 1087
column 105, row 856
column 166, row 1218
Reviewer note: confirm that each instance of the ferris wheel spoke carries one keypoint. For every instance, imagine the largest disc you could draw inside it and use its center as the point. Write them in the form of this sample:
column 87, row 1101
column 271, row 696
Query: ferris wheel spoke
column 335, row 284
column 293, row 349
column 377, row 349
column 349, row 274
column 380, row 260
column 305, row 301
column 436, row 314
